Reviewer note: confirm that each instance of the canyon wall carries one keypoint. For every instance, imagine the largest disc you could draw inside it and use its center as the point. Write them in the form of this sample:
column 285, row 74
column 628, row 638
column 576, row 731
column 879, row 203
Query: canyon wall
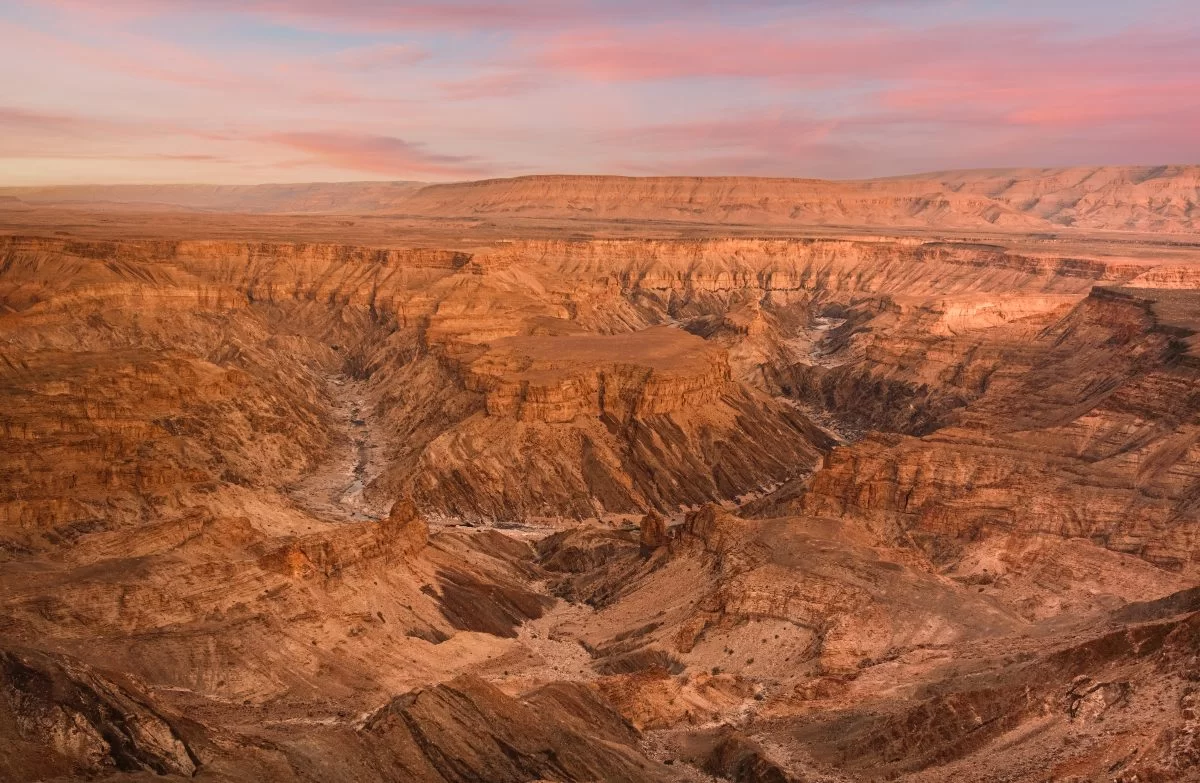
column 857, row 507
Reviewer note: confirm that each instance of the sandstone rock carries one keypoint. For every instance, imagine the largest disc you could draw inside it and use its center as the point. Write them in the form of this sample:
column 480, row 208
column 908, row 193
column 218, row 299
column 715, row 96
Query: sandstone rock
column 1088, row 700
column 468, row 730
column 714, row 526
column 736, row 757
column 935, row 484
column 59, row 714
column 1109, row 197
column 1096, row 377
column 405, row 526
column 653, row 533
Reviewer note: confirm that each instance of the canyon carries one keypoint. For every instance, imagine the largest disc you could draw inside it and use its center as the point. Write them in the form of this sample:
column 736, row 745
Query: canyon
column 598, row 478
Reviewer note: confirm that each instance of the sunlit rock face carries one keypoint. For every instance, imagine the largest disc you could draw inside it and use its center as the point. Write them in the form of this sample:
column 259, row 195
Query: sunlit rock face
column 600, row 479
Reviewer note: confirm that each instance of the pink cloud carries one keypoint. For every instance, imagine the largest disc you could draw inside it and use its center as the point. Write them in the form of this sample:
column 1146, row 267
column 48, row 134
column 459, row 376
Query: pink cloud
column 13, row 118
column 774, row 133
column 494, row 85
column 453, row 15
column 36, row 135
column 569, row 84
column 1051, row 105
column 377, row 154
column 25, row 132
column 304, row 80
column 962, row 53
column 980, row 94
column 132, row 56
column 671, row 52
column 380, row 58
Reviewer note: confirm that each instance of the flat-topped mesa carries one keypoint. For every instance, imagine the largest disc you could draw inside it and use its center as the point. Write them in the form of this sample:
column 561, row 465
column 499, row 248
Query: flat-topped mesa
column 790, row 268
column 656, row 371
column 1097, row 198
column 966, row 312
column 1109, row 198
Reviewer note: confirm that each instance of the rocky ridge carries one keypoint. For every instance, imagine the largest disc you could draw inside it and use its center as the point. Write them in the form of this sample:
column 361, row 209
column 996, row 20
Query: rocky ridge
column 1108, row 198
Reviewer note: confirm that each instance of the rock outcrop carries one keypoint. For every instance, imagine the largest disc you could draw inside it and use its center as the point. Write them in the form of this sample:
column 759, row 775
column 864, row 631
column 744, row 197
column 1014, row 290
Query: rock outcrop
column 468, row 730
column 652, row 532
column 405, row 526
column 1095, row 439
column 59, row 716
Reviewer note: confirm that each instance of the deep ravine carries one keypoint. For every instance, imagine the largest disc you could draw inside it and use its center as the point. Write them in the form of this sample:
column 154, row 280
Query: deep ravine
column 335, row 490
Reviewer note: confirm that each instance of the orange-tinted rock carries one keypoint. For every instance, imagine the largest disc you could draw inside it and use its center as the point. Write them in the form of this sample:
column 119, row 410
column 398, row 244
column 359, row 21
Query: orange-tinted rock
column 653, row 533
column 1108, row 197
column 934, row 485
column 405, row 527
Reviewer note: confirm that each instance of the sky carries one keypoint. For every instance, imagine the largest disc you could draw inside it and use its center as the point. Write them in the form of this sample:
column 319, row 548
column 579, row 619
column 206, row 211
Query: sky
column 249, row 91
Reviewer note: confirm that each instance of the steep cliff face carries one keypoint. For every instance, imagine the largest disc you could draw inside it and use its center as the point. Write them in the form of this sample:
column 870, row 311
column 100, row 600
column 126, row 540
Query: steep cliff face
column 59, row 716
column 142, row 387
column 1097, row 690
column 1115, row 198
column 823, row 602
column 1090, row 433
column 468, row 730
column 556, row 349
column 248, row 334
column 126, row 436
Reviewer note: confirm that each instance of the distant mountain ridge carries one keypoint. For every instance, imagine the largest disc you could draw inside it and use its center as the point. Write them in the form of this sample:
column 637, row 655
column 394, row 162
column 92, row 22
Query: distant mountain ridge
column 313, row 197
column 1108, row 198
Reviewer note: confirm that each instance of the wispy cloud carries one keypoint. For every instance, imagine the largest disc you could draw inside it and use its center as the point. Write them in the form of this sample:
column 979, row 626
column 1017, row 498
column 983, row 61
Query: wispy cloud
column 490, row 85
column 962, row 52
column 452, row 15
column 378, row 154
column 411, row 88
column 380, row 57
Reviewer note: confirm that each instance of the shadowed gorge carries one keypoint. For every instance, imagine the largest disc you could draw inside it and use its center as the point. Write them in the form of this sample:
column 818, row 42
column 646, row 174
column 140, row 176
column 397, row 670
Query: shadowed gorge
column 574, row 479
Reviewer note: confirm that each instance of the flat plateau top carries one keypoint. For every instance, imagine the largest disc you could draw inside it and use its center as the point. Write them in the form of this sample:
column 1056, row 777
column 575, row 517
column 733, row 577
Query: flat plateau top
column 475, row 233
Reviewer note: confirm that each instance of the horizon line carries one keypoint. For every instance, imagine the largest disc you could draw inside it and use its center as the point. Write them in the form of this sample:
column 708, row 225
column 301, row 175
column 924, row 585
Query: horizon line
column 909, row 175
